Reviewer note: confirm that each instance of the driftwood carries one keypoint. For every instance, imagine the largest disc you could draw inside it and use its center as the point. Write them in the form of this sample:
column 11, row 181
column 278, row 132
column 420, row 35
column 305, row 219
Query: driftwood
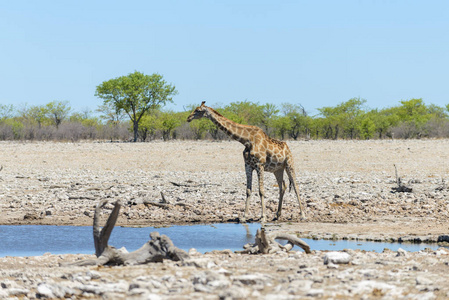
column 163, row 203
column 192, row 185
column 401, row 188
column 265, row 243
column 158, row 248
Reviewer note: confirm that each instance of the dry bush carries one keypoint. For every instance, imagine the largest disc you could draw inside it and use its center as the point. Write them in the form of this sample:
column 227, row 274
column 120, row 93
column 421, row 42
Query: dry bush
column 406, row 130
column 120, row 132
column 437, row 128
column 6, row 132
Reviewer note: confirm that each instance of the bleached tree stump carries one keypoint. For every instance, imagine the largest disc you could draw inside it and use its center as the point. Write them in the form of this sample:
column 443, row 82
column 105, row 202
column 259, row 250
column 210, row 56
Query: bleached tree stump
column 158, row 248
column 265, row 243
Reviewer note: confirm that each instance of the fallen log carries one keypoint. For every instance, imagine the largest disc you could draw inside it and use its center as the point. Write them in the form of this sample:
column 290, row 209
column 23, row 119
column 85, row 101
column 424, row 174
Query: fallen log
column 158, row 248
column 265, row 243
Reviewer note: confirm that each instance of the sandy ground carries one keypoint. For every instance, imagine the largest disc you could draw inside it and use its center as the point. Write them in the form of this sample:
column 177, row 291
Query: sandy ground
column 347, row 184
column 347, row 187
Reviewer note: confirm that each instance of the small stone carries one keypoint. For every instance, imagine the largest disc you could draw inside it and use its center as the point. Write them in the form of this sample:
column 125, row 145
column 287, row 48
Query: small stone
column 420, row 280
column 194, row 252
column 402, row 252
column 332, row 266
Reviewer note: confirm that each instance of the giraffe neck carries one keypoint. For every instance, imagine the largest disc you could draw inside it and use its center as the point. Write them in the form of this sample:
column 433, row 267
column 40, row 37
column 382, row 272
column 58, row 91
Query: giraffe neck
column 237, row 131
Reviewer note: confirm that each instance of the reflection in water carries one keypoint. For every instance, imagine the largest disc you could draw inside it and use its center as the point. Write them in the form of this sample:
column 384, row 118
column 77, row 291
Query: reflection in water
column 29, row 240
column 249, row 235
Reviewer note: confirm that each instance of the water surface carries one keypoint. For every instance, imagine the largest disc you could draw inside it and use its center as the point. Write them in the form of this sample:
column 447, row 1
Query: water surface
column 32, row 240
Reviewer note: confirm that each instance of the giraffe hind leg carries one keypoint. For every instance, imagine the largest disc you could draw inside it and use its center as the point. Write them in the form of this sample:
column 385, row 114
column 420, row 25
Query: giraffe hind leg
column 292, row 176
column 282, row 188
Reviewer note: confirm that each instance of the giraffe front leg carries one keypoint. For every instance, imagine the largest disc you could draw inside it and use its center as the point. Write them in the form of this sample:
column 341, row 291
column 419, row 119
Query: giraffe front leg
column 261, row 193
column 249, row 181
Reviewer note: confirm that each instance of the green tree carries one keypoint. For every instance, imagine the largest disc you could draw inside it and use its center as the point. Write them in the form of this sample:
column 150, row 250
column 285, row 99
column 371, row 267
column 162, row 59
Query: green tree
column 299, row 120
column 332, row 121
column 168, row 123
column 281, row 125
column 111, row 114
column 437, row 111
column 38, row 114
column 353, row 112
column 149, row 124
column 413, row 114
column 6, row 111
column 201, row 126
column 57, row 111
column 85, row 119
column 136, row 94
column 247, row 112
column 343, row 117
column 383, row 120
column 317, row 127
column 269, row 111
column 367, row 128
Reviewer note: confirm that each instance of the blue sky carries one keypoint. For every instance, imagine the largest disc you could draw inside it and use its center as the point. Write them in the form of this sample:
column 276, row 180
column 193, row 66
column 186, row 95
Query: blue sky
column 316, row 53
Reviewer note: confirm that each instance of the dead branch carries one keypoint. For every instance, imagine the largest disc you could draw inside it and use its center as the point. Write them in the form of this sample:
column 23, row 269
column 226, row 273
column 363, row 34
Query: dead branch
column 401, row 188
column 158, row 204
column 265, row 243
column 192, row 185
column 163, row 198
column 163, row 203
column 158, row 248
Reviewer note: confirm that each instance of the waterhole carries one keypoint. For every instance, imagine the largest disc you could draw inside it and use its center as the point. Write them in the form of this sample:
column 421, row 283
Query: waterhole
column 33, row 240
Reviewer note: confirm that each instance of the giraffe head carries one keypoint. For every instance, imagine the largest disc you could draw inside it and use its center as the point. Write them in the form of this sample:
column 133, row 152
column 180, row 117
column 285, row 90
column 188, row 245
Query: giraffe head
column 198, row 113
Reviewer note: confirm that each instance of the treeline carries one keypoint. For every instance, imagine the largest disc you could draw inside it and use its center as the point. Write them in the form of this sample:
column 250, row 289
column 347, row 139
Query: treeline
column 347, row 120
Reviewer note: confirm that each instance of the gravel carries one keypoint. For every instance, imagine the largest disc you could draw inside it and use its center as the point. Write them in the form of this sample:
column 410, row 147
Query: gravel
column 349, row 187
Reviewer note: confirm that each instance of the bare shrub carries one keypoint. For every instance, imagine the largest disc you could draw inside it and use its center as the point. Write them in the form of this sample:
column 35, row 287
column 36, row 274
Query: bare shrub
column 119, row 132
column 437, row 128
column 184, row 132
column 70, row 131
column 45, row 133
column 405, row 130
column 6, row 132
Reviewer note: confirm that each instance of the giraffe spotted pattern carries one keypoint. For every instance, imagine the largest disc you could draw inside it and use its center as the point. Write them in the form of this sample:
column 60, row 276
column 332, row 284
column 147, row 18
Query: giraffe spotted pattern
column 261, row 153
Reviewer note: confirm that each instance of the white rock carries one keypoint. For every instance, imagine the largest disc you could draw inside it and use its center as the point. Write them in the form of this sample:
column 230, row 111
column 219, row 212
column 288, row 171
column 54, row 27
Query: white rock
column 45, row 291
column 337, row 258
column 402, row 252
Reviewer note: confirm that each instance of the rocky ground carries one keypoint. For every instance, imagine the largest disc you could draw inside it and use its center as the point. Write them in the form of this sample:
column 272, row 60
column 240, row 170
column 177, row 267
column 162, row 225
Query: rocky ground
column 349, row 187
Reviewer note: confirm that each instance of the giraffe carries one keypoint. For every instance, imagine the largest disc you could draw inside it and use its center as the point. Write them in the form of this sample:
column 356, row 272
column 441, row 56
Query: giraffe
column 261, row 153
